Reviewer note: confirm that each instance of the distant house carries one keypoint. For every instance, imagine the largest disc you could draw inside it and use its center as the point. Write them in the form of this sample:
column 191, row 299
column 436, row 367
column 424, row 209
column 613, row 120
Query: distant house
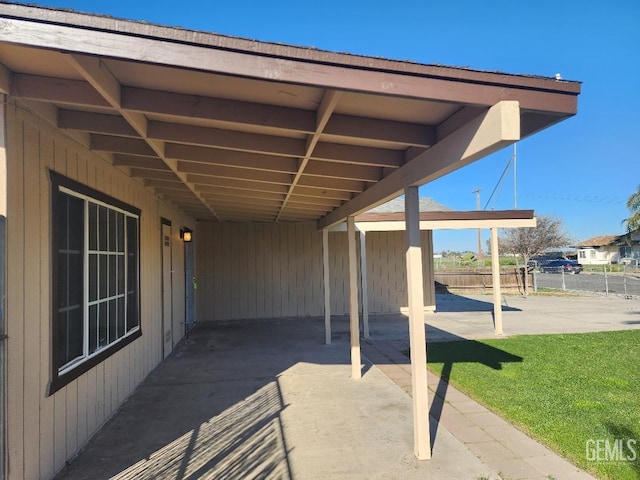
column 607, row 249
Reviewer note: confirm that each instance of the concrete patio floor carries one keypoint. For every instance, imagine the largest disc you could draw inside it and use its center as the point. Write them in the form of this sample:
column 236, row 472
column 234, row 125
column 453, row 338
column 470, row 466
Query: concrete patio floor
column 266, row 399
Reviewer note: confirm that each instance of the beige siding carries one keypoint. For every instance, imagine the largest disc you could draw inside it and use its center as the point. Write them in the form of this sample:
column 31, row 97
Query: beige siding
column 45, row 431
column 275, row 270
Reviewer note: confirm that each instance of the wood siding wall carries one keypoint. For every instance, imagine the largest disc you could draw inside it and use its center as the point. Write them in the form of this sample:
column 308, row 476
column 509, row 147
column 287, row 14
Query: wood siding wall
column 275, row 270
column 45, row 431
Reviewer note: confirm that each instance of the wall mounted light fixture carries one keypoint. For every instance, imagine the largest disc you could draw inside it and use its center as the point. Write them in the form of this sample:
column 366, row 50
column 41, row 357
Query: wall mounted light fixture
column 186, row 234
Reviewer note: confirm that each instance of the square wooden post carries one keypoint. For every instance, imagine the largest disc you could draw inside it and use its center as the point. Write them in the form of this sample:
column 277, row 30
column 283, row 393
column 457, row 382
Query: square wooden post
column 327, row 288
column 363, row 284
column 495, row 278
column 354, row 327
column 417, row 337
column 430, row 281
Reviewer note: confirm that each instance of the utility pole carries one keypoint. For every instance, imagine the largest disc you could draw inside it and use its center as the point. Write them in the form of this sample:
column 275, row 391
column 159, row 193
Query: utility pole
column 515, row 176
column 480, row 261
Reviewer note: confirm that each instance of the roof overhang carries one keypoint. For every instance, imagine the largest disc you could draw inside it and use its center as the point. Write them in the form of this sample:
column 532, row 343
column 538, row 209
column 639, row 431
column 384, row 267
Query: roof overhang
column 455, row 220
column 229, row 129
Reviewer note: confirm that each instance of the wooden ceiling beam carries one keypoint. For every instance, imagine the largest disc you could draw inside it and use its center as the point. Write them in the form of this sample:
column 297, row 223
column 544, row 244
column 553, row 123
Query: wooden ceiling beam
column 233, row 200
column 327, row 105
column 358, row 155
column 243, row 216
column 232, row 209
column 168, row 184
column 56, row 90
column 227, row 139
column 483, row 135
column 128, row 146
column 203, row 182
column 167, row 192
column 400, row 133
column 343, row 171
column 300, row 199
column 221, row 110
column 231, row 158
column 318, row 209
column 234, row 173
column 96, row 73
column 94, row 123
column 321, row 183
column 299, row 216
column 313, row 193
column 234, row 192
column 6, row 80
column 153, row 174
column 123, row 160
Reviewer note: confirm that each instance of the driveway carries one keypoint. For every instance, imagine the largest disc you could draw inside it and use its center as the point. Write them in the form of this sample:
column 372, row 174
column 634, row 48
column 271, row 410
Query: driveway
column 471, row 316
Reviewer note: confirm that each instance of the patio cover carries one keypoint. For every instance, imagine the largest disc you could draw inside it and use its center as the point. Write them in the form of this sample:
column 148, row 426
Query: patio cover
column 229, row 129
column 392, row 219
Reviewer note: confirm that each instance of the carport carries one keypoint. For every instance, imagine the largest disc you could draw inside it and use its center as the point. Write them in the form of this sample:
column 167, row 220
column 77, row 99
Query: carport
column 233, row 130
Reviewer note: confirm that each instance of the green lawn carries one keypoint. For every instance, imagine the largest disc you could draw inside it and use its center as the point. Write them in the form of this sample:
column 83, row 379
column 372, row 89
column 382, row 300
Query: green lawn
column 562, row 389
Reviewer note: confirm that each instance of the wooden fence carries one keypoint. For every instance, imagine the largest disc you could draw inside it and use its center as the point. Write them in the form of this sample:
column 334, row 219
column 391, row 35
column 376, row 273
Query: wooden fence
column 510, row 279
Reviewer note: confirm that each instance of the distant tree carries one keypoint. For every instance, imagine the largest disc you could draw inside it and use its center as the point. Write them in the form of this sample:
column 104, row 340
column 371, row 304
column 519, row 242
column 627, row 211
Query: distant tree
column 532, row 241
column 633, row 204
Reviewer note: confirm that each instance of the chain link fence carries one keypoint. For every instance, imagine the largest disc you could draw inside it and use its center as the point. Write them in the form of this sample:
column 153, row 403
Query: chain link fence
column 625, row 283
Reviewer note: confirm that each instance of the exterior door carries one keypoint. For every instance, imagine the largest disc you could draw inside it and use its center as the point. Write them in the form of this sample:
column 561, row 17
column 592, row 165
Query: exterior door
column 167, row 290
column 190, row 286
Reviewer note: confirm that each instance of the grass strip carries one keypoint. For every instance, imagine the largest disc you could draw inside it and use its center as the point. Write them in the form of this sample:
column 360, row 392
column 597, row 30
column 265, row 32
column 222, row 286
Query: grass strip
column 568, row 391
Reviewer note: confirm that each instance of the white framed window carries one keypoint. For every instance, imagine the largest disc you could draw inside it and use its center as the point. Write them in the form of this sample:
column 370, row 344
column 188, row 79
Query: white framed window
column 592, row 253
column 582, row 254
column 95, row 248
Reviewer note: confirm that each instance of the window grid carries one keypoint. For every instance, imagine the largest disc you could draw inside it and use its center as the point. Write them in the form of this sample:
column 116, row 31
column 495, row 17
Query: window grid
column 121, row 239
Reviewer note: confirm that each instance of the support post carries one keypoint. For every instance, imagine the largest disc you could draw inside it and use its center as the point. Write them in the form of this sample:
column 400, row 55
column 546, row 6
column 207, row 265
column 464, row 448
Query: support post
column 354, row 327
column 363, row 284
column 327, row 287
column 417, row 337
column 495, row 278
column 430, row 281
column 3, row 285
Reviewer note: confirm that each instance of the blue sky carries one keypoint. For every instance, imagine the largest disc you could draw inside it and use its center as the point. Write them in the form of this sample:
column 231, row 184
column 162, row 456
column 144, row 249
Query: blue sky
column 581, row 170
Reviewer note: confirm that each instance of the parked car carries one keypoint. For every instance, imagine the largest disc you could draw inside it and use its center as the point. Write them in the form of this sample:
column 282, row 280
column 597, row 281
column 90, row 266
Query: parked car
column 557, row 266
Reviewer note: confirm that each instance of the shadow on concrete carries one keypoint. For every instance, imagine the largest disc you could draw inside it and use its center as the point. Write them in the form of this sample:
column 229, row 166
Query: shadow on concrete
column 451, row 302
column 214, row 408
column 456, row 351
column 211, row 410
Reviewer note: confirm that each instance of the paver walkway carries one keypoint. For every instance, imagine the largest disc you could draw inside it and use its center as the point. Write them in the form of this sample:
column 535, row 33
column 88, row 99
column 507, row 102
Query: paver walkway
column 493, row 440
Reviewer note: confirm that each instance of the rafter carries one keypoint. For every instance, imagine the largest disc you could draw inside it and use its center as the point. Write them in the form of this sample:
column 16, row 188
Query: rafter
column 102, row 80
column 322, row 193
column 203, row 182
column 95, row 123
column 127, row 146
column 6, row 79
column 225, row 138
column 333, row 184
column 343, row 171
column 121, row 160
column 328, row 104
column 385, row 131
column 234, row 173
column 485, row 134
column 239, row 193
column 230, row 158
